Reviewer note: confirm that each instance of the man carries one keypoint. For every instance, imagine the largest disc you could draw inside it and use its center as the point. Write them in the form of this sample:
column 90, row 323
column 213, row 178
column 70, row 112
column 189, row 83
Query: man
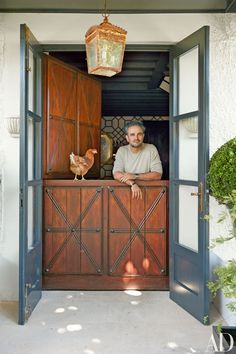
column 137, row 160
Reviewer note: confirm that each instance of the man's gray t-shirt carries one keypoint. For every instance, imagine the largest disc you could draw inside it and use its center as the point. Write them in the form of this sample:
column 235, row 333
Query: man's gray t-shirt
column 147, row 160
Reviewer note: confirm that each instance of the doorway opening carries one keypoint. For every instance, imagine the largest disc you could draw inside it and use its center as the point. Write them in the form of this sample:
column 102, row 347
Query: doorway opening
column 188, row 266
column 138, row 93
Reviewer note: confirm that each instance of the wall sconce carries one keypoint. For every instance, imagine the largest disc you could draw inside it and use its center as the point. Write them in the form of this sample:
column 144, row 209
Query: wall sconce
column 191, row 124
column 13, row 126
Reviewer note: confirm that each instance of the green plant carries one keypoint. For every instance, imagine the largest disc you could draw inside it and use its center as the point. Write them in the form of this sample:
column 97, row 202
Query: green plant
column 230, row 202
column 226, row 274
column 226, row 281
column 222, row 171
column 222, row 185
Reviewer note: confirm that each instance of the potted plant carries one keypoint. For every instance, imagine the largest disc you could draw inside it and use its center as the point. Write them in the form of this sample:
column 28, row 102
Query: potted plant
column 222, row 185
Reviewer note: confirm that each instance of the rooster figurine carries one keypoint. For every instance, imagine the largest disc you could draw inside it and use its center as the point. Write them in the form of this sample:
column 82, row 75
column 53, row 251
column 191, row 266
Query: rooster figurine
column 80, row 165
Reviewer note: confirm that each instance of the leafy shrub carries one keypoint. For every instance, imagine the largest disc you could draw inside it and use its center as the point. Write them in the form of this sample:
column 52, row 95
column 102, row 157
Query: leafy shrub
column 222, row 185
column 222, row 171
column 226, row 281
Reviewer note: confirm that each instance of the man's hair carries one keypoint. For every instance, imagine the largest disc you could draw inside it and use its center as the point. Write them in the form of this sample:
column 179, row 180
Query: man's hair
column 133, row 124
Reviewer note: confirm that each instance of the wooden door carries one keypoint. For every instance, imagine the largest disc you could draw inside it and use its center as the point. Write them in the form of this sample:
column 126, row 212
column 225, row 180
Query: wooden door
column 72, row 117
column 137, row 234
column 89, row 118
column 97, row 237
column 72, row 243
column 60, row 117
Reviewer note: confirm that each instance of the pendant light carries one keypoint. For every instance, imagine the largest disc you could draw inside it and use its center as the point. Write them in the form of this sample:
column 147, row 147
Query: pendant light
column 105, row 46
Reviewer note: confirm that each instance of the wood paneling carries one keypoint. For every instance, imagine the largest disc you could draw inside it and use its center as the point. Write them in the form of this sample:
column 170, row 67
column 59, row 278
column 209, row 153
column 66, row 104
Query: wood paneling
column 72, row 238
column 97, row 237
column 72, row 115
column 137, row 232
column 89, row 121
column 60, row 116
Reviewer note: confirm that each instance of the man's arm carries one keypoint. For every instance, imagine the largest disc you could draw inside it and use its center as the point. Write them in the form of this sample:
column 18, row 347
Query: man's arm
column 119, row 176
column 148, row 176
column 126, row 177
column 136, row 191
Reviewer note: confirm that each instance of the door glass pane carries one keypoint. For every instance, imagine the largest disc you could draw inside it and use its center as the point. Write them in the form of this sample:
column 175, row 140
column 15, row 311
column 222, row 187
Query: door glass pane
column 188, row 82
column 30, row 217
column 31, row 81
column 38, row 86
column 188, row 149
column 37, row 213
column 188, row 217
column 30, row 149
column 38, row 161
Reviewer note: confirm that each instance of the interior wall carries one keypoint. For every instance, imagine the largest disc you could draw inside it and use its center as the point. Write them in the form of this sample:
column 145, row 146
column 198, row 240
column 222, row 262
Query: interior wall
column 71, row 28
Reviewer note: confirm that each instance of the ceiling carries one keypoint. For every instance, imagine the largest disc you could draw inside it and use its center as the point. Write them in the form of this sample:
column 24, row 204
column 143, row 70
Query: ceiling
column 134, row 91
column 120, row 6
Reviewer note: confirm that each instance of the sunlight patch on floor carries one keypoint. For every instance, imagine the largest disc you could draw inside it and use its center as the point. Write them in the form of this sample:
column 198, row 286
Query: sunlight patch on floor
column 172, row 345
column 135, row 302
column 73, row 327
column 133, row 292
column 72, row 308
column 59, row 310
column 89, row 351
column 69, row 328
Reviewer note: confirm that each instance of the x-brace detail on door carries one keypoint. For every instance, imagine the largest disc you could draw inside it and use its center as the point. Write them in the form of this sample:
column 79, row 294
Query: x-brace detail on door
column 73, row 230
column 137, row 230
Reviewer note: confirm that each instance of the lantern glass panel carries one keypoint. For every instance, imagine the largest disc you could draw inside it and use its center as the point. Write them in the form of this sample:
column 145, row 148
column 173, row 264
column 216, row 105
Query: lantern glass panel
column 110, row 54
column 92, row 54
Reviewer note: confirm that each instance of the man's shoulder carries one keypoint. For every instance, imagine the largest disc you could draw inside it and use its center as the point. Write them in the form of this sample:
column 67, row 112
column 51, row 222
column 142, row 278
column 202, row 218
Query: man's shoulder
column 123, row 149
column 150, row 147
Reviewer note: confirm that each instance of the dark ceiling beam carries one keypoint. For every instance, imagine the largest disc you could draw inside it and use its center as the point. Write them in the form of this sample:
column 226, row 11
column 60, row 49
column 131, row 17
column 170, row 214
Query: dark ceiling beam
column 124, row 80
column 133, row 111
column 139, row 65
column 152, row 93
column 137, row 98
column 135, row 73
column 115, row 6
column 120, row 86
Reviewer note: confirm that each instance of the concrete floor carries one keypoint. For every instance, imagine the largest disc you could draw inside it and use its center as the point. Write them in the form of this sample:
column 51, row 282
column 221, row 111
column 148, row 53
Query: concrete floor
column 104, row 322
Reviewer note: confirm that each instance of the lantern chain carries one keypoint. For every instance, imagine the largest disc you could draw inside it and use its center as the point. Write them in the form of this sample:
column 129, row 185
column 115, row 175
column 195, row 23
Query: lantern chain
column 105, row 14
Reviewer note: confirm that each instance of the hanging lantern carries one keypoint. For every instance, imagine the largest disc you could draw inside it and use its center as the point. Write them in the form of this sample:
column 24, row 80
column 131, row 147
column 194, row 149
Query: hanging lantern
column 105, row 46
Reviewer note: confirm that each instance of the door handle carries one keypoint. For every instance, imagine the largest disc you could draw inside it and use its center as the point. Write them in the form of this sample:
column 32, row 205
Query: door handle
column 200, row 195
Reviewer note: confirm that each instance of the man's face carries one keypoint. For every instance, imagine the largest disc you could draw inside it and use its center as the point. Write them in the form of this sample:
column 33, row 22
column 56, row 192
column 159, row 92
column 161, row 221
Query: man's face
column 135, row 136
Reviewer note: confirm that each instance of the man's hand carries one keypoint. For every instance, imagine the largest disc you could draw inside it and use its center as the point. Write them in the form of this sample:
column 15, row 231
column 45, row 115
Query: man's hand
column 127, row 176
column 136, row 192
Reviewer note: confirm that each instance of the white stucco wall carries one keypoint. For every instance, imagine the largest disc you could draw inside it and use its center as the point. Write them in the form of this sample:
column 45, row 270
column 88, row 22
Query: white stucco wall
column 70, row 28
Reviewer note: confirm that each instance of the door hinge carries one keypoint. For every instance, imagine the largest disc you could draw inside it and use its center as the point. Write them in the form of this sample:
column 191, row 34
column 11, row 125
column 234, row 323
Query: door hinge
column 21, row 199
column 27, row 306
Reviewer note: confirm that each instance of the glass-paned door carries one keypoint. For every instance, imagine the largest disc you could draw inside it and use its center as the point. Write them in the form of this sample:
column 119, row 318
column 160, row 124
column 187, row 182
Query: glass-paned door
column 189, row 256
column 30, row 258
